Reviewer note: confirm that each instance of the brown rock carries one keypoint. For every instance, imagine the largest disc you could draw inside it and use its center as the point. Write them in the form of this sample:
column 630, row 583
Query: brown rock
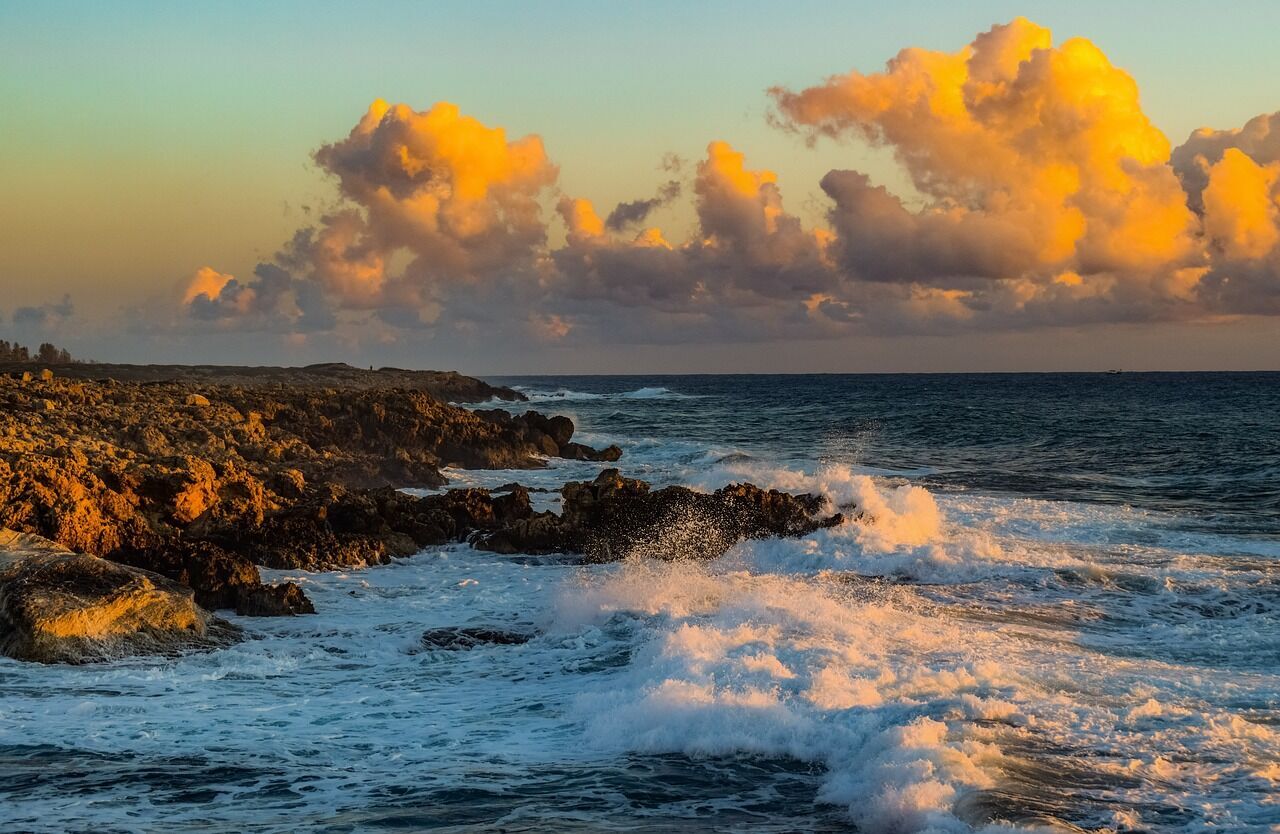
column 286, row 599
column 58, row 606
column 613, row 518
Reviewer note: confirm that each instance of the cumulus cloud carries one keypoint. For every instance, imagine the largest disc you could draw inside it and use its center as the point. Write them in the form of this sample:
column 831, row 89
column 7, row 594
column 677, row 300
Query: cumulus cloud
column 272, row 300
column 747, row 251
column 1259, row 139
column 453, row 192
column 1232, row 181
column 1044, row 196
column 1035, row 161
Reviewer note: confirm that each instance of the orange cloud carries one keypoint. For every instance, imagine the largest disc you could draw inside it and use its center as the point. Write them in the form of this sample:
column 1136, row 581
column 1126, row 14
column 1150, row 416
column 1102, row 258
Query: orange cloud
column 1241, row 213
column 1044, row 196
column 1044, row 151
column 445, row 188
column 206, row 281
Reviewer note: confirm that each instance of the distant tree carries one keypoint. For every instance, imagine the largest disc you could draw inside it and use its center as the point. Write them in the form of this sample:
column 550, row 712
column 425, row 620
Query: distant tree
column 46, row 354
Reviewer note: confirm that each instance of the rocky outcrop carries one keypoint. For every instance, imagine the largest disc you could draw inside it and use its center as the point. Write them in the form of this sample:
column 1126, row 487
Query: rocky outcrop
column 446, row 386
column 614, row 518
column 202, row 485
column 334, row 527
column 550, row 435
column 59, row 606
column 285, row 599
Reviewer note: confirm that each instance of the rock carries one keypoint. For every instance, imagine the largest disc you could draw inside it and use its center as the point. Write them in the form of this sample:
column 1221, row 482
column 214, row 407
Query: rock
column 57, row 606
column 559, row 428
column 46, row 375
column 200, row 481
column 464, row 638
column 286, row 599
column 576, row 451
column 614, row 518
column 26, row 376
column 290, row 483
column 549, row 435
column 217, row 576
column 513, row 486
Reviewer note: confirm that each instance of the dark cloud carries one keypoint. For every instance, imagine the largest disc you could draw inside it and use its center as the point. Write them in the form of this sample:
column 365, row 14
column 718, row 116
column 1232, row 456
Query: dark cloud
column 45, row 314
column 637, row 211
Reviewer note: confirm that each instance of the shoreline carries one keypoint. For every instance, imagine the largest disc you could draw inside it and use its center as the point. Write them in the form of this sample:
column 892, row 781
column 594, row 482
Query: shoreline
column 191, row 477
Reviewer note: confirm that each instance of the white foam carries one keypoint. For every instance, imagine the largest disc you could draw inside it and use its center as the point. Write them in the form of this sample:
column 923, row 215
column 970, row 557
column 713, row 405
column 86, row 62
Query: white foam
column 537, row 395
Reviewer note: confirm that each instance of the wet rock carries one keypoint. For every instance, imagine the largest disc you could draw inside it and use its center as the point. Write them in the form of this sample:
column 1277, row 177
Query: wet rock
column 614, row 518
column 576, row 451
column 57, row 606
column 461, row 638
column 513, row 486
column 550, row 435
column 285, row 599
column 218, row 577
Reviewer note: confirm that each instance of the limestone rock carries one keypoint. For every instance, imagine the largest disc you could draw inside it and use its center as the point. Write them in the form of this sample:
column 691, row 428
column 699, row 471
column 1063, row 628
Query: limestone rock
column 57, row 606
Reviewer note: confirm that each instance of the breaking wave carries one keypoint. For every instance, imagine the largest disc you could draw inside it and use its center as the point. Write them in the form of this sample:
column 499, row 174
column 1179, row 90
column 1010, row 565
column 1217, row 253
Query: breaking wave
column 947, row 659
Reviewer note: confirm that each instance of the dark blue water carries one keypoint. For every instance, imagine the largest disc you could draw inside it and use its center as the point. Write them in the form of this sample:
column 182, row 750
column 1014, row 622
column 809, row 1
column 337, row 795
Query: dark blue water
column 1203, row 446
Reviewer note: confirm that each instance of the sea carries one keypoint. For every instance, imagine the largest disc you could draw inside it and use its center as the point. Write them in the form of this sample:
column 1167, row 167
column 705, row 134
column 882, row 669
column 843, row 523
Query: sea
column 1057, row 608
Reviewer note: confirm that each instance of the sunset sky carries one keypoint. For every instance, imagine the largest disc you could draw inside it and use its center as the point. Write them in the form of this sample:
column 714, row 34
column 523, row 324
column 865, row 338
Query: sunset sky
column 600, row 187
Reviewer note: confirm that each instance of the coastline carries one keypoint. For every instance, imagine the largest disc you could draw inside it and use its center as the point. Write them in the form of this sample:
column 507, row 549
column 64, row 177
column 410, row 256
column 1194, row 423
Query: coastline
column 199, row 476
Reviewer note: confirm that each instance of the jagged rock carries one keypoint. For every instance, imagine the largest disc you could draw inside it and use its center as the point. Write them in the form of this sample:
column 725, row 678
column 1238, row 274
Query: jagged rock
column 336, row 527
column 550, row 435
column 124, row 470
column 57, row 606
column 217, row 576
column 462, row 638
column 290, row 483
column 614, row 517
column 285, row 599
column 576, row 451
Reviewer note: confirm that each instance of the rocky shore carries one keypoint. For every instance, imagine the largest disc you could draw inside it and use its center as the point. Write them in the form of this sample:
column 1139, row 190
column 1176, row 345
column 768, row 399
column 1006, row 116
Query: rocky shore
column 153, row 500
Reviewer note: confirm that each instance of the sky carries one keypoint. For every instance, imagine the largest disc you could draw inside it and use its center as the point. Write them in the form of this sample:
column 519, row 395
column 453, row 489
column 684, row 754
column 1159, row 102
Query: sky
column 640, row 188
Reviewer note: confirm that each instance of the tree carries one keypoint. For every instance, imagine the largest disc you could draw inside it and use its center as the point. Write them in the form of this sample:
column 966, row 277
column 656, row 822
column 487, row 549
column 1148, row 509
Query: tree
column 46, row 354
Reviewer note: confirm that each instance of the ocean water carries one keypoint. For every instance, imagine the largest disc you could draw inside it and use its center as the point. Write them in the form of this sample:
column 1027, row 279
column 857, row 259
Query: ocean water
column 1063, row 615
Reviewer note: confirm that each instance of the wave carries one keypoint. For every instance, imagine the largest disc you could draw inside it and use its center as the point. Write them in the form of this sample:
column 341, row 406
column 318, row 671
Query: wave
column 537, row 395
